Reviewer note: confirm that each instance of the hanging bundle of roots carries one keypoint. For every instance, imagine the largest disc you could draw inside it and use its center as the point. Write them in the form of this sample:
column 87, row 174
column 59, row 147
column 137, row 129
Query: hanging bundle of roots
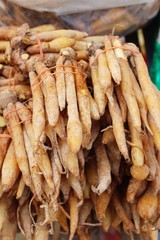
column 79, row 136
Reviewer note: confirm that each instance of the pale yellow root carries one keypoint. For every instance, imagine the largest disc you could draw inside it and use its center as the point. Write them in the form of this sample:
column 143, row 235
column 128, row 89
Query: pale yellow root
column 50, row 35
column 102, row 202
column 155, row 131
column 93, row 108
column 53, row 46
column 20, row 189
column 83, row 99
column 155, row 182
column 118, row 127
column 60, row 127
column 136, row 217
column 104, row 74
column 132, row 189
column 137, row 152
column 73, row 202
column 38, row 115
column 139, row 172
column 62, row 219
column 74, row 127
column 69, row 159
column 81, row 45
column 10, row 170
column 53, row 139
column 49, row 92
column 25, row 115
column 94, row 133
column 60, row 82
column 18, row 142
column 101, row 205
column 148, row 205
column 98, row 91
column 73, row 163
column 150, row 158
column 85, row 211
column 44, row 165
column 56, row 175
column 122, row 103
column 117, row 43
column 121, row 212
column 129, row 95
column 103, row 168
column 75, row 184
column 63, row 147
column 140, row 100
column 34, row 169
column 112, row 61
column 78, row 34
column 149, row 92
column 4, row 143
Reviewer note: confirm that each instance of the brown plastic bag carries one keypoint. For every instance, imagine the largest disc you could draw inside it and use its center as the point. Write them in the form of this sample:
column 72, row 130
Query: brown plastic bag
column 123, row 20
